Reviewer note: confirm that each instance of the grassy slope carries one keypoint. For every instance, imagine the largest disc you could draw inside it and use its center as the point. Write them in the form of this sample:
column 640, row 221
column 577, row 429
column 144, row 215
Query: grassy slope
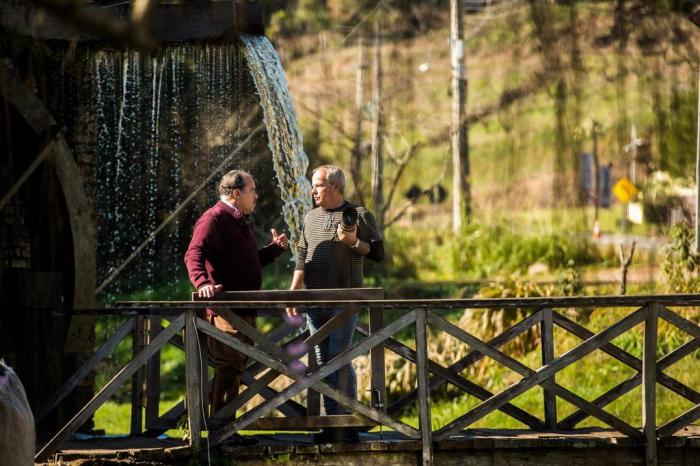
column 511, row 152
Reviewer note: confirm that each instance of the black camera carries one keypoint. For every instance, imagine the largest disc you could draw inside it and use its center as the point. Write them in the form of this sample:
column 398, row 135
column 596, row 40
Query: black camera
column 349, row 219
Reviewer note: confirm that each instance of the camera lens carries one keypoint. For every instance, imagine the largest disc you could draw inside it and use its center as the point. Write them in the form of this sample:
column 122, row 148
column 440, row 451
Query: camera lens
column 349, row 218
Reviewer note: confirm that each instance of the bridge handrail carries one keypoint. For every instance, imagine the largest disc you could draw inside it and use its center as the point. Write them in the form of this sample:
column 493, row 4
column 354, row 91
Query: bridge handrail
column 378, row 337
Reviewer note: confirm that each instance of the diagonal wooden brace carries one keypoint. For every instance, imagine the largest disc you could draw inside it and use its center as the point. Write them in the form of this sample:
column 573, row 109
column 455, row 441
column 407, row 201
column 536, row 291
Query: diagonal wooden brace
column 314, row 379
column 540, row 376
column 472, row 358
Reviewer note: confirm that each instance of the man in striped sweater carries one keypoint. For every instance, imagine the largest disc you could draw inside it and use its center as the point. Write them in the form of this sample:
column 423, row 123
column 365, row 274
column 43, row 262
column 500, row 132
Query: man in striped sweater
column 330, row 256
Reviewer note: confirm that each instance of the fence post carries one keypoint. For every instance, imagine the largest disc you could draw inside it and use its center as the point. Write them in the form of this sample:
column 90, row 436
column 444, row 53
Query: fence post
column 547, row 337
column 376, row 355
column 153, row 376
column 423, row 387
column 193, row 376
column 649, row 383
column 138, row 343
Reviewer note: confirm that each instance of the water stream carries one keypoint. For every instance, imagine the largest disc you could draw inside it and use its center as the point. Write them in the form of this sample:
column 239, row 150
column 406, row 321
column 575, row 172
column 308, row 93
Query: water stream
column 153, row 127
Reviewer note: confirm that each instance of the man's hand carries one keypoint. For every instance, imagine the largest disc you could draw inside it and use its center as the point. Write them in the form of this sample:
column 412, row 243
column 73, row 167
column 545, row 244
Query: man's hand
column 209, row 291
column 292, row 312
column 348, row 238
column 280, row 240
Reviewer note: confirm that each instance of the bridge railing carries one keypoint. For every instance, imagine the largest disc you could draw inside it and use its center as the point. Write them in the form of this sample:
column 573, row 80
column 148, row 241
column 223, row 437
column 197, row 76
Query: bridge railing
column 279, row 352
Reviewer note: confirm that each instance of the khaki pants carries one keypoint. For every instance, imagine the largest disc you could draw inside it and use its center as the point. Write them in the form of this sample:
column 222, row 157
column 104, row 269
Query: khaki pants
column 228, row 363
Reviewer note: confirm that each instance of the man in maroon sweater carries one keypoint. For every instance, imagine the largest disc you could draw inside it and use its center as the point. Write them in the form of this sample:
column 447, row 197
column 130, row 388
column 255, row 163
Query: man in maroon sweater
column 223, row 255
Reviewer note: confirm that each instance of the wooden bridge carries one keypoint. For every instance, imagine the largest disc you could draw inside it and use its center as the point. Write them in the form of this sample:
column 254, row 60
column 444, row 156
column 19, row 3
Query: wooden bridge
column 548, row 440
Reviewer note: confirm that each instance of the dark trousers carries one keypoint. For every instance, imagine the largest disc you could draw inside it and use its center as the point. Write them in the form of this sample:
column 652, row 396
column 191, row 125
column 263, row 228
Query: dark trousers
column 228, row 363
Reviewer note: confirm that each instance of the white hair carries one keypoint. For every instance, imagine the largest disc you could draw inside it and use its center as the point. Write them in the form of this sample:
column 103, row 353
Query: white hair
column 334, row 175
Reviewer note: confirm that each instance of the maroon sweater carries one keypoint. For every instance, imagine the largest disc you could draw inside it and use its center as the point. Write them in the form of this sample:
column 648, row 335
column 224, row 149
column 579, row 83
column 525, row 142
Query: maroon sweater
column 223, row 251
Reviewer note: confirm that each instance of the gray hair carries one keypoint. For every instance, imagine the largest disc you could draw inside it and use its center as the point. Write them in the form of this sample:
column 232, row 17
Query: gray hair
column 334, row 175
column 235, row 179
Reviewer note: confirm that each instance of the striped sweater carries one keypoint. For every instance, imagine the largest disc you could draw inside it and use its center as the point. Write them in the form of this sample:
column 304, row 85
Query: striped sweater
column 326, row 262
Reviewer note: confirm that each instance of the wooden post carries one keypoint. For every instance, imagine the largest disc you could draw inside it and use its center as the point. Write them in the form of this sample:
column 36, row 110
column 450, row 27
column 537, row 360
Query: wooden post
column 194, row 380
column 376, row 355
column 547, row 336
column 425, row 424
column 153, row 376
column 649, row 383
column 138, row 343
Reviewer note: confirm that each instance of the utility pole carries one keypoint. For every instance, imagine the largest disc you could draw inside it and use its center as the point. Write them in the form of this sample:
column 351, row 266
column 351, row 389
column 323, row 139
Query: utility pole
column 697, row 173
column 694, row 17
column 355, row 166
column 461, row 208
column 595, row 127
column 377, row 130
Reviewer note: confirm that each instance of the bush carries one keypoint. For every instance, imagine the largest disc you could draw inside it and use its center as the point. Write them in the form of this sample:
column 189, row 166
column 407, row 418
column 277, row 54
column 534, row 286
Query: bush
column 679, row 263
column 480, row 252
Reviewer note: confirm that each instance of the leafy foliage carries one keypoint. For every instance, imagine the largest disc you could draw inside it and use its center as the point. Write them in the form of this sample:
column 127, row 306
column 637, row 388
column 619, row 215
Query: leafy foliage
column 481, row 251
column 680, row 263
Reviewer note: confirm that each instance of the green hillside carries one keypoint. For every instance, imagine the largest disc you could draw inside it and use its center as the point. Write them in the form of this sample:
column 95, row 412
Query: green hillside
column 538, row 74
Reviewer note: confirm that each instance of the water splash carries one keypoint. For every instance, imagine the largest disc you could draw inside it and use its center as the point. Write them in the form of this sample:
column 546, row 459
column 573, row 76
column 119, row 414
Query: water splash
column 284, row 135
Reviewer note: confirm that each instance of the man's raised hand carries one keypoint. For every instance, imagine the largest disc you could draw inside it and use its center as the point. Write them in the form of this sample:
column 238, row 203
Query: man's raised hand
column 279, row 240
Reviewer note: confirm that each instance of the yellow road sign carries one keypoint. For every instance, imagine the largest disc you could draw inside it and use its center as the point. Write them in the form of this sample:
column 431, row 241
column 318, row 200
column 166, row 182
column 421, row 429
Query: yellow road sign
column 624, row 190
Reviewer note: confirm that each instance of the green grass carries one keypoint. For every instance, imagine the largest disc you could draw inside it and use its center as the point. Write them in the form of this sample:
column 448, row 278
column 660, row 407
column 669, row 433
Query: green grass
column 115, row 418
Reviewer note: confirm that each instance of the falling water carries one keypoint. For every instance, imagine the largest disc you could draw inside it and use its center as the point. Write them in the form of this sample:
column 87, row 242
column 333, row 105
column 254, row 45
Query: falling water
column 283, row 132
column 155, row 126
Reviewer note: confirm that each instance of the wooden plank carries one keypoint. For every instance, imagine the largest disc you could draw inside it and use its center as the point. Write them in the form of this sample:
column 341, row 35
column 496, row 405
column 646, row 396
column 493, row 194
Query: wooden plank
column 262, row 341
column 376, row 358
column 651, row 327
column 153, row 375
column 679, row 353
column 311, row 422
column 674, row 425
column 471, row 358
column 138, row 342
column 281, row 355
column 680, row 322
column 313, row 398
column 624, row 387
column 290, row 408
column 313, row 379
column 584, row 333
column 458, row 381
column 529, row 373
column 603, row 400
column 424, row 422
column 636, row 363
column 193, row 371
column 74, row 380
column 547, row 338
column 329, row 294
column 510, row 304
column 542, row 374
column 108, row 390
column 172, row 22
